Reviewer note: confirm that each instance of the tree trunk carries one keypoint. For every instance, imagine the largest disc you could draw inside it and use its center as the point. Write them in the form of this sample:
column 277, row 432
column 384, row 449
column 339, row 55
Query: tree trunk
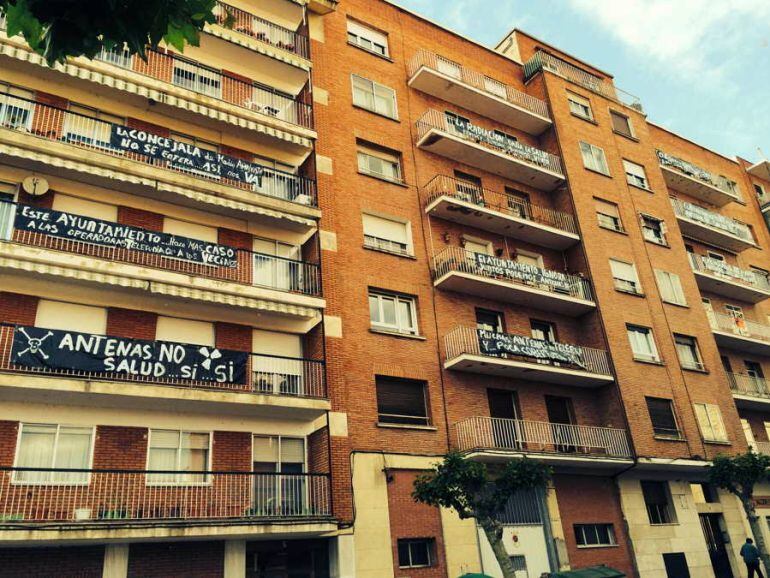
column 494, row 532
column 756, row 529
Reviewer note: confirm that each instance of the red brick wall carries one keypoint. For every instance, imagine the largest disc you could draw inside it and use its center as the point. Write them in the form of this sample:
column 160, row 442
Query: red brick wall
column 120, row 448
column 130, row 323
column 318, row 451
column 147, row 127
column 232, row 336
column 67, row 562
column 17, row 308
column 9, row 434
column 231, row 451
column 188, row 559
column 140, row 218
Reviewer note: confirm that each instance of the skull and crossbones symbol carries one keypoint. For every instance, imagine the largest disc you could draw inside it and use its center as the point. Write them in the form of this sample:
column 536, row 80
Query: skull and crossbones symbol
column 34, row 343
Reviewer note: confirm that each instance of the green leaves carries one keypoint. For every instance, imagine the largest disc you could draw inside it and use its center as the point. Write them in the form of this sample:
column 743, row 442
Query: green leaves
column 739, row 474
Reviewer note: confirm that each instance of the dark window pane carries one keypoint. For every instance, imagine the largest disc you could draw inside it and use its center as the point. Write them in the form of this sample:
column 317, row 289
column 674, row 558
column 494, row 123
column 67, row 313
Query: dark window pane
column 401, row 401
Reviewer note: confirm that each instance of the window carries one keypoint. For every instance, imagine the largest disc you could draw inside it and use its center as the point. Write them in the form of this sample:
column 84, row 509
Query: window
column 391, row 312
column 367, row 38
column 53, row 446
column 119, row 56
column 487, row 320
column 543, row 330
column 16, row 107
column 580, row 106
column 379, row 162
column 387, row 234
column 760, row 190
column 670, row 287
column 519, row 563
column 197, row 78
column 375, row 97
column 710, row 421
column 730, row 185
column 635, row 175
column 662, row 416
column 621, row 124
column 178, row 451
column 593, row 158
column 278, row 454
column 625, row 277
column 468, row 188
column 84, row 125
column 657, row 501
column 402, row 401
column 642, row 343
column 704, row 493
column 608, row 215
column 653, row 230
column 687, row 350
column 415, row 553
column 593, row 535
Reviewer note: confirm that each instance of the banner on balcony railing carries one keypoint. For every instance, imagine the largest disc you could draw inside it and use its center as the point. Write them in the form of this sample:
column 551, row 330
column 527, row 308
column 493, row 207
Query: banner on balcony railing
column 497, row 267
column 726, row 270
column 106, row 233
column 53, row 349
column 685, row 167
column 186, row 156
column 494, row 343
column 715, row 220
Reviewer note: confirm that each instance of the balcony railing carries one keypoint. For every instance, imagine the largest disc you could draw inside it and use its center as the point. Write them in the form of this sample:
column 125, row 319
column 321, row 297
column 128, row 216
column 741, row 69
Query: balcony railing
column 115, row 497
column 713, row 220
column 457, row 259
column 694, row 171
column 719, row 268
column 211, row 82
column 137, row 246
column 57, row 124
column 442, row 185
column 467, row 341
column 436, row 120
column 36, row 351
column 750, row 385
column 544, row 61
column 517, row 435
column 739, row 326
column 262, row 30
column 477, row 80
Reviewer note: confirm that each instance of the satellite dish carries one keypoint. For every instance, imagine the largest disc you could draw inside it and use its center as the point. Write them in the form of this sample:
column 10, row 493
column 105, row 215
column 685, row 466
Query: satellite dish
column 35, row 186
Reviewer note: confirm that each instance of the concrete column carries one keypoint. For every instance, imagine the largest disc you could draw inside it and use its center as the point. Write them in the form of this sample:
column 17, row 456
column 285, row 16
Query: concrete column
column 235, row 559
column 115, row 561
column 342, row 557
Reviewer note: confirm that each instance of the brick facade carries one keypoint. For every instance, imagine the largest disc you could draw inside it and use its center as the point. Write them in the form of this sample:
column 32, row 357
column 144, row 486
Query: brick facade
column 193, row 559
column 64, row 562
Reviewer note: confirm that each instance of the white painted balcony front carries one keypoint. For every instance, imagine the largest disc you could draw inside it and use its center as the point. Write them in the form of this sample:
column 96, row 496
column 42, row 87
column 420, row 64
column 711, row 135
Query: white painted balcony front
column 517, row 356
column 685, row 177
column 716, row 276
column 740, row 334
column 749, row 391
column 712, row 228
column 462, row 202
column 488, row 150
column 497, row 439
column 490, row 277
column 452, row 82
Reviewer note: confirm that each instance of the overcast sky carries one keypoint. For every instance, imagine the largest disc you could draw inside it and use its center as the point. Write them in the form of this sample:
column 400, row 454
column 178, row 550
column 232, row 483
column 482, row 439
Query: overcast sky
column 700, row 67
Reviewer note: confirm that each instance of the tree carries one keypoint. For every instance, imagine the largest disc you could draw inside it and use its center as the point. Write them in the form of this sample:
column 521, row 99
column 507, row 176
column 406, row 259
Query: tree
column 739, row 474
column 58, row 29
column 474, row 491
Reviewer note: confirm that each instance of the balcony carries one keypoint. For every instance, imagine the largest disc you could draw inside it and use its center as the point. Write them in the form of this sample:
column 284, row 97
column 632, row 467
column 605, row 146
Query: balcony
column 760, row 170
column 460, row 202
column 471, row 90
column 541, row 61
column 489, row 151
column 157, row 374
column 749, row 392
column 692, row 180
column 496, row 439
column 712, row 228
column 522, row 357
column 740, row 334
column 717, row 276
column 455, row 269
column 85, row 503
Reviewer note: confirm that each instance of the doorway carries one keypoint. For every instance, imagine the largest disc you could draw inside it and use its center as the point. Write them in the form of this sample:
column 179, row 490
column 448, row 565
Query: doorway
column 561, row 416
column 715, row 542
column 505, row 414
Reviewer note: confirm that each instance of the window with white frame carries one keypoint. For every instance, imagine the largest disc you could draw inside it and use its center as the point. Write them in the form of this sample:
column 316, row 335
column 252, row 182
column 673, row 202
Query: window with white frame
column 642, row 343
column 393, row 312
column 710, row 421
column 653, row 230
column 580, row 106
column 594, row 535
column 278, row 454
column 593, row 158
column 663, row 417
column 687, row 350
column 367, row 38
column 197, row 78
column 16, row 107
column 88, row 126
column 670, row 287
column 8, row 192
column 415, row 553
column 385, row 234
column 171, row 451
column 625, row 277
column 635, row 175
column 374, row 96
column 53, row 446
column 621, row 124
column 608, row 215
column 379, row 162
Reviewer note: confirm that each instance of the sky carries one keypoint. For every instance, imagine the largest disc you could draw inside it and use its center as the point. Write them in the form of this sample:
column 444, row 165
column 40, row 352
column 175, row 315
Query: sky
column 700, row 67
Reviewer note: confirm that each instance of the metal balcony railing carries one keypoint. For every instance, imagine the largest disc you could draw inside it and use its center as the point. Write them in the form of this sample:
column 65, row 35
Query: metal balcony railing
column 457, row 259
column 263, row 374
column 739, row 326
column 544, row 61
column 250, row 268
column 208, row 81
column 263, row 30
column 477, row 80
column 688, row 169
column 480, row 433
column 114, row 497
column 465, row 341
column 436, row 120
column 719, row 268
column 442, row 185
column 711, row 219
column 748, row 384
column 90, row 133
